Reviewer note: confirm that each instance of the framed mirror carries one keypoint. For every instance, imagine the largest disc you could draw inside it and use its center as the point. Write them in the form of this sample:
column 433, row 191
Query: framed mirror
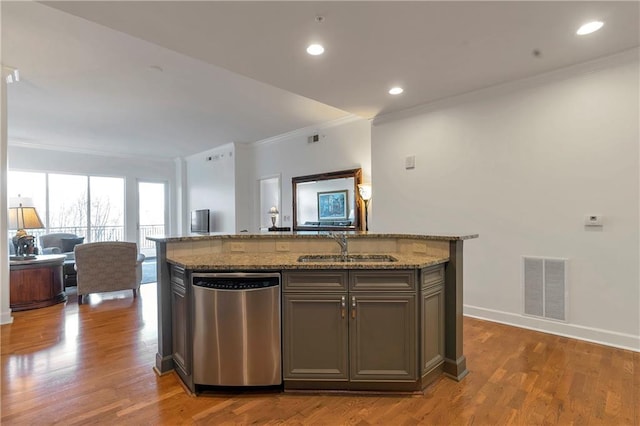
column 327, row 201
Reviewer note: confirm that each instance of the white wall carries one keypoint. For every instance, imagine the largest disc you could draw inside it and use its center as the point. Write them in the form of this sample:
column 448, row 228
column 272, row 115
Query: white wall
column 182, row 215
column 5, row 309
column 211, row 185
column 522, row 165
column 245, row 190
column 343, row 145
column 132, row 169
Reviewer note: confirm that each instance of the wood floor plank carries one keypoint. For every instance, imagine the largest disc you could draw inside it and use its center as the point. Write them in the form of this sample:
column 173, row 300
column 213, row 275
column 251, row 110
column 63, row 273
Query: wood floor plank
column 92, row 364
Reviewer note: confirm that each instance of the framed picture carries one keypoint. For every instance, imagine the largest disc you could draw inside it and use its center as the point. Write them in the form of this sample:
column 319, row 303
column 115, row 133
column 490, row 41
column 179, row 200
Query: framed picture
column 332, row 205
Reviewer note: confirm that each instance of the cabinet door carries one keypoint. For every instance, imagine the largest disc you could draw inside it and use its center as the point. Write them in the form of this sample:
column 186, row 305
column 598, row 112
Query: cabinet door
column 180, row 325
column 382, row 337
column 432, row 318
column 315, row 337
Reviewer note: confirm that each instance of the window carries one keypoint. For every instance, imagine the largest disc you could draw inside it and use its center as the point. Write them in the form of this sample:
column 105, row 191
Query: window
column 89, row 206
column 68, row 204
column 107, row 208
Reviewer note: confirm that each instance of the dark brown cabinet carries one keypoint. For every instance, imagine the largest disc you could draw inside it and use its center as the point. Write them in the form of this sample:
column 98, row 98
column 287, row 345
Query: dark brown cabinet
column 383, row 329
column 180, row 324
column 383, row 337
column 432, row 319
column 315, row 337
column 356, row 329
column 315, row 326
column 360, row 329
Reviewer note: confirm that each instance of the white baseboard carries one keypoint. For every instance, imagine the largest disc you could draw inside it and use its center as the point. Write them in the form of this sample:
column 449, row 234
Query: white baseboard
column 6, row 318
column 589, row 334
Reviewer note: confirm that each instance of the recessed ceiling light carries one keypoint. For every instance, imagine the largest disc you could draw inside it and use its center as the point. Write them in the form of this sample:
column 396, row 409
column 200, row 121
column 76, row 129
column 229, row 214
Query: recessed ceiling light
column 396, row 90
column 590, row 27
column 315, row 49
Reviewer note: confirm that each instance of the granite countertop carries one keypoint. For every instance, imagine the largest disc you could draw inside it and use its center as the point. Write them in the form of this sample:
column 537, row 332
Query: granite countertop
column 278, row 261
column 308, row 235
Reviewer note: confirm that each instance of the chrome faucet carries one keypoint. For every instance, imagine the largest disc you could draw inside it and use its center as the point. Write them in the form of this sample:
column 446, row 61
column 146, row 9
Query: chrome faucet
column 341, row 238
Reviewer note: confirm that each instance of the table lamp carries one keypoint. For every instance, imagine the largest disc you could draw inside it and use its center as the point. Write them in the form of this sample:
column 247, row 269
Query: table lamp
column 273, row 212
column 22, row 216
column 365, row 193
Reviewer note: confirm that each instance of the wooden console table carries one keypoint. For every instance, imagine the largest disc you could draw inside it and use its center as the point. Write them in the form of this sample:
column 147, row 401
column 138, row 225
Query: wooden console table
column 36, row 283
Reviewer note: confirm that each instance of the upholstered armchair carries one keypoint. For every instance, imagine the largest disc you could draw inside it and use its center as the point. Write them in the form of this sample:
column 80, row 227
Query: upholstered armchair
column 108, row 266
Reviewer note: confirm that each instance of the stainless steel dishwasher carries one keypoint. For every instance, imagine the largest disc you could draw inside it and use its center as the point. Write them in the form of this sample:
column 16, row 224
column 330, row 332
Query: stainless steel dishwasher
column 236, row 330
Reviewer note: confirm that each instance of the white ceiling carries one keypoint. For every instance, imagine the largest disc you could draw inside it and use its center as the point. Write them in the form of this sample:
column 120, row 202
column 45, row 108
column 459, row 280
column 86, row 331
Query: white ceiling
column 173, row 78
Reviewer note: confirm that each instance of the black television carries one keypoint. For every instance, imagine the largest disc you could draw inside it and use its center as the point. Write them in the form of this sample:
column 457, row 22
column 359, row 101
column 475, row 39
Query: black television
column 200, row 221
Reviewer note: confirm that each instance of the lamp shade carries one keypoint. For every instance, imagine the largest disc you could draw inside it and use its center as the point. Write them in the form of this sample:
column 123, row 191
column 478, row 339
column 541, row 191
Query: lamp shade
column 21, row 201
column 273, row 210
column 365, row 191
column 24, row 218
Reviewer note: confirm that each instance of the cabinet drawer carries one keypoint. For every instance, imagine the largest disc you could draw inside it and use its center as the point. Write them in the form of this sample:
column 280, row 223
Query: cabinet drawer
column 433, row 275
column 403, row 280
column 314, row 281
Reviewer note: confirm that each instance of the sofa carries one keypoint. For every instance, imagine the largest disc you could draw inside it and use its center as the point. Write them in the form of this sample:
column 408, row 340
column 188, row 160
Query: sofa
column 63, row 243
column 60, row 243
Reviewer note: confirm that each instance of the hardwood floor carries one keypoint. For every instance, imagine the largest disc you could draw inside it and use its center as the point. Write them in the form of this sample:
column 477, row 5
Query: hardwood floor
column 70, row 364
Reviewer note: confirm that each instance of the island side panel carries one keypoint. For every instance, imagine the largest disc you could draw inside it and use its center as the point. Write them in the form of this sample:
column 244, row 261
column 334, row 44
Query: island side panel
column 455, row 364
column 164, row 356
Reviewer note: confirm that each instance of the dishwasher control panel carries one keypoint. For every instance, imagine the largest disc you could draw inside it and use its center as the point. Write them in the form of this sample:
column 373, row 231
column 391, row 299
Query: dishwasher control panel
column 246, row 281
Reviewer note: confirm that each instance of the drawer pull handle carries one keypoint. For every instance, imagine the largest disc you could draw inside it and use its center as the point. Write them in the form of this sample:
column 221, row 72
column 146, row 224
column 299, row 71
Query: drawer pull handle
column 353, row 307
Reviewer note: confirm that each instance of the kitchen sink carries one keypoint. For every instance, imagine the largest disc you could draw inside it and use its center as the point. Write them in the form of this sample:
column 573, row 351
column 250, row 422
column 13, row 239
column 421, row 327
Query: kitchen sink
column 336, row 258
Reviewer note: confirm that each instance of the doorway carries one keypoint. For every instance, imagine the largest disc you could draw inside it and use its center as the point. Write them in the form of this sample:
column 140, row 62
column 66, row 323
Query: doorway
column 269, row 197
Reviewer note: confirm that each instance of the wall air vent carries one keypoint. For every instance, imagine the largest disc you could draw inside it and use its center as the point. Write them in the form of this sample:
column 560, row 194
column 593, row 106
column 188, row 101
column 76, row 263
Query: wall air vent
column 313, row 138
column 544, row 282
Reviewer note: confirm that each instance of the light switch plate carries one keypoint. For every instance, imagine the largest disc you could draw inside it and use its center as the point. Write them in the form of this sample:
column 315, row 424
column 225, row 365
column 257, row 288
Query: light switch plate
column 410, row 162
column 593, row 220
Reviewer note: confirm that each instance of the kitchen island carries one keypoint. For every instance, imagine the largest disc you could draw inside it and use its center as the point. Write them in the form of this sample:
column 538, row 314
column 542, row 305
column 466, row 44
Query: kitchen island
column 389, row 319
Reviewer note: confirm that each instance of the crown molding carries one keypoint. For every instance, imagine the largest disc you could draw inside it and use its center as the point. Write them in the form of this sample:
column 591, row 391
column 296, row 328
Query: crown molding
column 13, row 142
column 595, row 65
column 304, row 131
